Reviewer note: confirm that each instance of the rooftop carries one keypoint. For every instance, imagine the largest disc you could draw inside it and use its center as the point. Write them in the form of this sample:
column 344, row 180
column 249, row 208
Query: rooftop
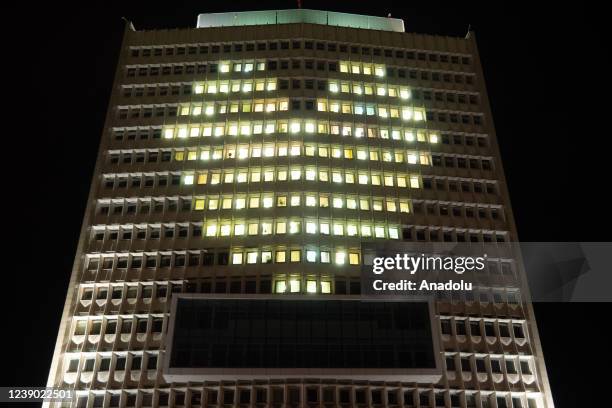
column 331, row 18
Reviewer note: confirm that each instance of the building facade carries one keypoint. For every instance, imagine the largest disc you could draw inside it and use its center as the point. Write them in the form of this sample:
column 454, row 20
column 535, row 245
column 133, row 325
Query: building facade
column 243, row 165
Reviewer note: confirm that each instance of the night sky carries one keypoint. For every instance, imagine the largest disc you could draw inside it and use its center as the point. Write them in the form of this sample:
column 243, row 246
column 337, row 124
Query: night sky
column 545, row 71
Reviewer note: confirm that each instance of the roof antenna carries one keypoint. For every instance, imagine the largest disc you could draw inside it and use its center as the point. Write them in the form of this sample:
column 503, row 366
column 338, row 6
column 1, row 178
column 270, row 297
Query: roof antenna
column 389, row 15
column 299, row 2
column 469, row 30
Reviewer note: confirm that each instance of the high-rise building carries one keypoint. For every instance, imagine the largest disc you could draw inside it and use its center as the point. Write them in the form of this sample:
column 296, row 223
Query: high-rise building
column 243, row 165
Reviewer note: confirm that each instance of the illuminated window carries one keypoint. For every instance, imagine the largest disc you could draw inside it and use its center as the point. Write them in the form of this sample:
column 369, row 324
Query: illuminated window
column 324, row 228
column 404, row 93
column 325, row 257
column 381, row 91
column 281, row 227
column 194, row 132
column 168, row 133
column 414, row 182
column 295, row 255
column 311, row 256
column 379, row 232
column 184, row 110
column 211, row 230
column 268, row 202
column 226, row 203
column 309, row 127
column 253, row 202
column 224, row 67
column 237, row 258
column 433, row 138
column 418, row 115
column 367, row 69
column 338, row 202
column 379, row 71
column 295, row 200
column 351, row 203
column 182, row 133
column 271, row 86
column 333, row 87
column 188, row 179
column 294, row 285
column 366, row 231
column 213, row 204
column 343, row 67
column 248, row 67
column 311, row 286
column 225, row 230
column 393, row 233
column 280, row 286
column 266, row 228
column 266, row 257
column 241, row 203
column 179, row 156
column 247, row 87
column 351, row 230
column 199, row 89
column 281, row 256
column 391, row 207
column 251, row 257
column 270, row 107
column 325, row 287
column 382, row 112
column 353, row 258
column 283, row 105
column 334, row 107
column 322, row 106
column 239, row 229
column 340, row 258
column 338, row 229
column 311, row 227
column 404, row 207
column 199, row 204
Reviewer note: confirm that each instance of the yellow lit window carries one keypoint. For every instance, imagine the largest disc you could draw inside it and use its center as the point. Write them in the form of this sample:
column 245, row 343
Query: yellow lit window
column 281, row 256
column 322, row 106
column 418, row 115
column 239, row 229
column 404, row 93
column 349, row 178
column 424, row 158
column 343, row 67
column 271, row 86
column 192, row 155
column 240, row 203
column 294, row 227
column 198, row 89
column 248, row 67
column 266, row 228
column 414, row 182
column 337, row 177
column 226, row 203
column 333, row 87
column 283, row 105
column 295, row 200
column 260, row 85
column 357, row 89
column 321, row 127
column 235, row 86
column 196, row 111
column 345, row 87
column 182, row 133
column 295, row 255
column 199, row 204
column 392, row 92
column 379, row 71
column 202, row 178
column 367, row 69
column 377, row 205
column 346, row 108
column 281, row 227
column 268, row 202
column 394, row 112
column 351, row 203
column 379, row 232
column 247, row 87
column 366, row 231
column 338, row 229
column 253, row 228
column 433, row 138
column 391, row 207
column 354, row 258
column 404, row 207
column 261, row 66
column 179, row 156
column 382, row 112
column 225, row 230
column 184, row 110
column 324, row 228
column 340, row 258
column 224, row 67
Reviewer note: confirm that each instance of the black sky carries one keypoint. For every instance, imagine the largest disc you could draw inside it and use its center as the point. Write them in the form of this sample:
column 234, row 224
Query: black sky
column 547, row 76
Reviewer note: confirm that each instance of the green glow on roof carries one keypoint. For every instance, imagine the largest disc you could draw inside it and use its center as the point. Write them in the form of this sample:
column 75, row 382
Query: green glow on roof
column 331, row 18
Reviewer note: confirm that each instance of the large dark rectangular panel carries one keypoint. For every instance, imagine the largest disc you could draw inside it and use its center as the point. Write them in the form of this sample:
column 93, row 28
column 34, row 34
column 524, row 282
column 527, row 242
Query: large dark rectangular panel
column 284, row 333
